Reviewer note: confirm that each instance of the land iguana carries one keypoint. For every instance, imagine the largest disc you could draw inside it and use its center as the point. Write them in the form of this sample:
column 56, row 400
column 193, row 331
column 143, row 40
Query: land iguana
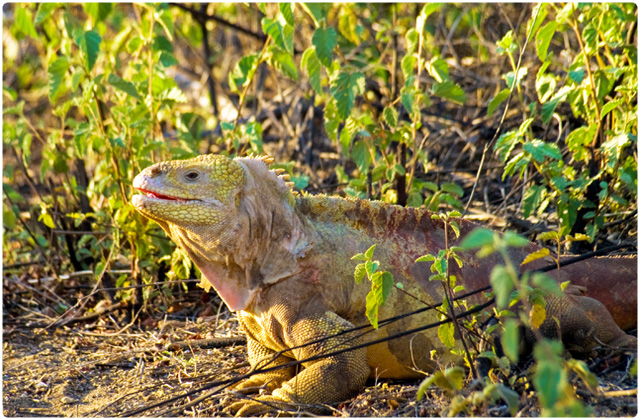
column 283, row 262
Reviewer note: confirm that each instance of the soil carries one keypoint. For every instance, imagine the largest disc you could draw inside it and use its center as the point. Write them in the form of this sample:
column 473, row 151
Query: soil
column 145, row 368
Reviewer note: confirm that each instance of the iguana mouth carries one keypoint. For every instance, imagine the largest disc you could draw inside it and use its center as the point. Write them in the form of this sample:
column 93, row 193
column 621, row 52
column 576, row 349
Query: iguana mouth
column 162, row 196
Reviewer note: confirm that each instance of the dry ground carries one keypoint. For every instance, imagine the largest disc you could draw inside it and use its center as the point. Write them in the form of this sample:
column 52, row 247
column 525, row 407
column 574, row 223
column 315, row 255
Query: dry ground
column 99, row 370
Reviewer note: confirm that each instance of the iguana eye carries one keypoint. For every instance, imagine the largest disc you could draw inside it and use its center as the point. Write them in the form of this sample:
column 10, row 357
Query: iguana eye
column 192, row 175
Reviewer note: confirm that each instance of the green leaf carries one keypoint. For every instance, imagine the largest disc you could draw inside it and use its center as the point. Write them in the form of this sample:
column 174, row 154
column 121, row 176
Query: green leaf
column 372, row 309
column 546, row 283
column 359, row 272
column 390, row 116
column 581, row 368
column 502, row 285
column 427, row 258
column 506, row 44
column 24, row 21
column 543, row 39
column 510, row 78
column 282, row 61
column 324, row 40
column 510, row 397
column 56, row 71
column 438, row 69
column 97, row 11
column 344, row 89
column 539, row 149
column 360, row 155
column 510, row 339
column 89, row 43
column 123, row 85
column 549, row 108
column 514, row 240
column 496, row 101
column 532, row 199
column 243, row 72
column 167, row 59
column 44, row 11
column 369, row 252
column 549, row 378
column 446, row 334
column 310, row 62
column 452, row 188
column 449, row 90
column 479, row 237
column 541, row 253
column 609, row 106
column 545, row 86
column 456, row 231
column 287, row 13
column 317, row 11
column 282, row 38
column 407, row 65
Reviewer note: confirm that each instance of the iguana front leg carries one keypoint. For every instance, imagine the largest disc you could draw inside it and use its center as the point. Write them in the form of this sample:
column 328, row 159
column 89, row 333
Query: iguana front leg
column 260, row 356
column 322, row 381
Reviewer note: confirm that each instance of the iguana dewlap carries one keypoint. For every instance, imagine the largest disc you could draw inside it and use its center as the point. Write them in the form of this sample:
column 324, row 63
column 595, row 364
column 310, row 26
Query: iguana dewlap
column 284, row 263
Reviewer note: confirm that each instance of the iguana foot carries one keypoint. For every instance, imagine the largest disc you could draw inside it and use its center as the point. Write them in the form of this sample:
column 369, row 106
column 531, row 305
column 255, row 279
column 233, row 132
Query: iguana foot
column 267, row 404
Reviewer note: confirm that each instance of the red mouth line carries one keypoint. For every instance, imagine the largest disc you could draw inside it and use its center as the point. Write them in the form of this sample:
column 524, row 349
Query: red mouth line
column 160, row 196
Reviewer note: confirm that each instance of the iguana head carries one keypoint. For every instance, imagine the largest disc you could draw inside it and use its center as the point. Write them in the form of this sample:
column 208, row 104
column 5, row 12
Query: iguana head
column 234, row 217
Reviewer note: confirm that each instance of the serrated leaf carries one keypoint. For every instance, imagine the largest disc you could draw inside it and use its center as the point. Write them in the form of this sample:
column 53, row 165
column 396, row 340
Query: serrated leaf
column 360, row 155
column 456, row 231
column 438, row 69
column 539, row 149
column 369, row 252
column 548, row 236
column 56, row 71
column 390, row 116
column 609, row 106
column 310, row 62
column 89, row 44
column 243, row 71
column 324, row 40
column 510, row 338
column 536, row 255
column 317, row 11
column 344, row 89
column 532, row 199
column 123, row 85
column 549, row 107
column 287, row 13
column 543, row 39
column 407, row 66
column 282, row 61
column 359, row 272
column 449, row 90
column 496, row 101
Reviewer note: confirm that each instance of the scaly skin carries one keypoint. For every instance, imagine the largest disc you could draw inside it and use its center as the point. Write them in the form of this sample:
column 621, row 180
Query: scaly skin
column 284, row 263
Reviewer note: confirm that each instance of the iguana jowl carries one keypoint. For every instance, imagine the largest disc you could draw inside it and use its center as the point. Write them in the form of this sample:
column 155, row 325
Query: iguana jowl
column 284, row 263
